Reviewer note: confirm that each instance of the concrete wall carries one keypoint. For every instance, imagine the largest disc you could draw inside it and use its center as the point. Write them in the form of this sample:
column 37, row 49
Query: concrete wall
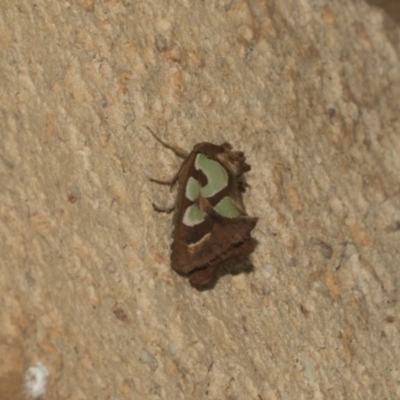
column 309, row 90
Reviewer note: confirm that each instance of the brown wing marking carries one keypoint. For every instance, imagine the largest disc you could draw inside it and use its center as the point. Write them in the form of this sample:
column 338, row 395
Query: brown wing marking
column 225, row 236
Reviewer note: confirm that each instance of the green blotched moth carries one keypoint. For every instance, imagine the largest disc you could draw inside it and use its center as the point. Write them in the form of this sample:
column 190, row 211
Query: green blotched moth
column 210, row 224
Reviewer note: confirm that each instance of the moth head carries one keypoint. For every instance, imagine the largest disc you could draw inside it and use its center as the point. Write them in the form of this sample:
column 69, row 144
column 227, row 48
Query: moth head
column 234, row 160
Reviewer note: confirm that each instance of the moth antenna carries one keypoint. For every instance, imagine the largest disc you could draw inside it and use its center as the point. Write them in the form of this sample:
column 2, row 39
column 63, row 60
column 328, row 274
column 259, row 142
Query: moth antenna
column 177, row 150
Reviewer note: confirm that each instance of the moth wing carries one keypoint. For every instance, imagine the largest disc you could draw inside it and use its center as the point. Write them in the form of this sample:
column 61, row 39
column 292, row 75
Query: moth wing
column 209, row 236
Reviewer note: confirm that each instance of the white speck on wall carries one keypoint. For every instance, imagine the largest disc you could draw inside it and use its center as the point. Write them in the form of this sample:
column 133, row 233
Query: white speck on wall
column 35, row 381
column 268, row 270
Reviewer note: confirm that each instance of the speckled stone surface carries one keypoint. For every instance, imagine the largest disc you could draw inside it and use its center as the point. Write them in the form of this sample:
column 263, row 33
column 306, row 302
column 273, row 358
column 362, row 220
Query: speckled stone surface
column 309, row 90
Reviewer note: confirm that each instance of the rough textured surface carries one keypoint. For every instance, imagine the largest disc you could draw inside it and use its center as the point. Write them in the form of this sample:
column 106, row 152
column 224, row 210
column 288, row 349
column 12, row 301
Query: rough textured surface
column 309, row 90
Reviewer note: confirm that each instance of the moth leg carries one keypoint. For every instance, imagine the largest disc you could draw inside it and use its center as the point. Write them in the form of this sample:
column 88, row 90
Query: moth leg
column 170, row 183
column 177, row 150
column 167, row 210
column 166, row 182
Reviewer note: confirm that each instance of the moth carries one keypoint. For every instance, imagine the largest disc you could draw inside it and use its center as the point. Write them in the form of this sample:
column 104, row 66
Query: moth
column 210, row 223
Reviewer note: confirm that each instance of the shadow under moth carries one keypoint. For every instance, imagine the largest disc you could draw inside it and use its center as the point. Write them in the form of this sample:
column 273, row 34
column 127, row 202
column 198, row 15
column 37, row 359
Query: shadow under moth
column 210, row 224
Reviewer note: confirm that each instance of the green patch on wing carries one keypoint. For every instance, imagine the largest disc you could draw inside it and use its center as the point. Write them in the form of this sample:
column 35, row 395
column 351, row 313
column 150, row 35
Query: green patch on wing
column 192, row 189
column 217, row 177
column 193, row 215
column 227, row 208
